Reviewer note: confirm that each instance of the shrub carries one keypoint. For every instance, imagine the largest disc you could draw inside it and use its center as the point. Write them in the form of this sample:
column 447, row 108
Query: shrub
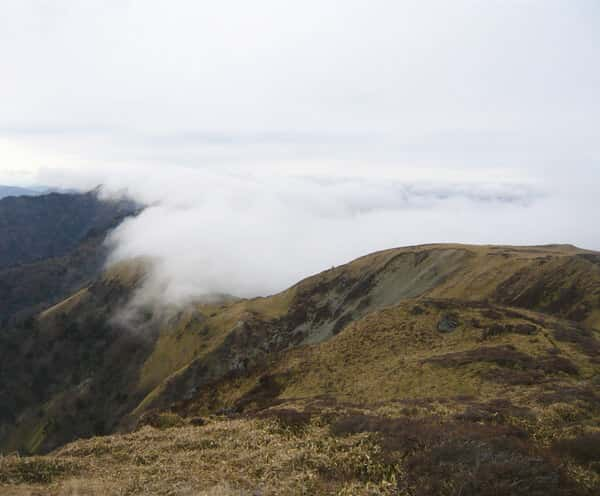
column 584, row 449
column 164, row 420
column 457, row 457
column 507, row 356
column 34, row 470
column 289, row 419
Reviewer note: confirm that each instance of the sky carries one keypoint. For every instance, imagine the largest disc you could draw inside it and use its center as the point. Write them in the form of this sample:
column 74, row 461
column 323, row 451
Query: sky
column 275, row 139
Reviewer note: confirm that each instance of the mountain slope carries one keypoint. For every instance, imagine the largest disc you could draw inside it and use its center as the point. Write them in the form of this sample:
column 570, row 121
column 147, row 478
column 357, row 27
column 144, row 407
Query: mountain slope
column 50, row 245
column 461, row 346
column 16, row 191
column 52, row 225
column 323, row 305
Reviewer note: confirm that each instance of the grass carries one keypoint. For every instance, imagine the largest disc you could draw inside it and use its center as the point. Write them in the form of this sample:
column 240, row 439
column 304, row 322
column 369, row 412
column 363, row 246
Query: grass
column 387, row 405
column 199, row 330
column 405, row 448
column 246, row 456
column 35, row 470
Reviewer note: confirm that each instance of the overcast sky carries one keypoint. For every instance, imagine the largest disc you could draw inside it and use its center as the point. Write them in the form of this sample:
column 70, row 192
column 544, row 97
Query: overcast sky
column 472, row 121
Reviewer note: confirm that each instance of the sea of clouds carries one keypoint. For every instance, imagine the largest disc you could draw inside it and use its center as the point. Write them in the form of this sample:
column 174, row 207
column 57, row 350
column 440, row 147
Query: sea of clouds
column 250, row 232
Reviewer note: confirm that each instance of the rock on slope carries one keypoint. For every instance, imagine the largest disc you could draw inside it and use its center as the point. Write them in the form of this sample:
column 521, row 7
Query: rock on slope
column 442, row 369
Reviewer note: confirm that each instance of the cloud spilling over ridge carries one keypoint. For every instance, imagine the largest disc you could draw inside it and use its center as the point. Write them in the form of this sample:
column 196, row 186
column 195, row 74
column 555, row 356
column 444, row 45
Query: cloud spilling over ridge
column 254, row 233
column 257, row 230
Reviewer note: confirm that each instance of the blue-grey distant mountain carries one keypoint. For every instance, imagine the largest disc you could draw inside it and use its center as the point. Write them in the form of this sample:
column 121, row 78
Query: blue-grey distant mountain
column 31, row 190
column 17, row 191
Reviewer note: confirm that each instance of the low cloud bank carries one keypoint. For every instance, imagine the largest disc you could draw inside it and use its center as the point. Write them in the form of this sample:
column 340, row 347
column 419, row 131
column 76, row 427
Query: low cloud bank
column 247, row 234
column 255, row 231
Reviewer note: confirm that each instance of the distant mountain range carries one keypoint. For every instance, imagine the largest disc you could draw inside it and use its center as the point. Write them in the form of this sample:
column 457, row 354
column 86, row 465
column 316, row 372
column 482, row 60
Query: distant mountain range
column 31, row 191
column 18, row 191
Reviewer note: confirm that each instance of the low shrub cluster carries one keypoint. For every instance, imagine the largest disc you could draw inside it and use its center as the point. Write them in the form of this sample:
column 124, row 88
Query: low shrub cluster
column 34, row 470
column 507, row 356
column 584, row 449
column 584, row 339
column 498, row 329
column 161, row 420
column 288, row 419
column 449, row 457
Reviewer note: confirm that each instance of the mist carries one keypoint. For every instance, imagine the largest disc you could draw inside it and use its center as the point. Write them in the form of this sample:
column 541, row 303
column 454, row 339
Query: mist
column 255, row 232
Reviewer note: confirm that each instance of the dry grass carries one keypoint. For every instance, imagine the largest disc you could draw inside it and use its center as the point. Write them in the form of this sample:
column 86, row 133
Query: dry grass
column 470, row 273
column 232, row 457
column 315, row 447
column 41, row 470
column 395, row 353
column 414, row 410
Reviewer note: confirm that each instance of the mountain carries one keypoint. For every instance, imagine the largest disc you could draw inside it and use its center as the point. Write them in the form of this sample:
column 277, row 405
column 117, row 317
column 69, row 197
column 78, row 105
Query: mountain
column 50, row 245
column 45, row 226
column 17, row 191
column 425, row 370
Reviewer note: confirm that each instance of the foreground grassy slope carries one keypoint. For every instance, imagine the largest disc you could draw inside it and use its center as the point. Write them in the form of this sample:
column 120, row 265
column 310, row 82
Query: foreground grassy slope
column 480, row 342
column 431, row 447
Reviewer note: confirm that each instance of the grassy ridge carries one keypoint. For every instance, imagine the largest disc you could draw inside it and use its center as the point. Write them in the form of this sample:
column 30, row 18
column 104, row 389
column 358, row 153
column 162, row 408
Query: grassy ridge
column 458, row 345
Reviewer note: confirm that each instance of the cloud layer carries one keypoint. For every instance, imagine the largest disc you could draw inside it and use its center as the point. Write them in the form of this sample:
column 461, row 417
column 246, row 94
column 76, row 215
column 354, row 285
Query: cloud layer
column 255, row 233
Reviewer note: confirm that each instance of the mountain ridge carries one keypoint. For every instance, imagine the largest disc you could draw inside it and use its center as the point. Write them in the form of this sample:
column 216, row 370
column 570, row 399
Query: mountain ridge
column 464, row 326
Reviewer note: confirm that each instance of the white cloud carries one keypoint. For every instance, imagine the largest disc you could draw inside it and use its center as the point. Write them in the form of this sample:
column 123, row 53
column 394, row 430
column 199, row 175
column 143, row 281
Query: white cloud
column 255, row 232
